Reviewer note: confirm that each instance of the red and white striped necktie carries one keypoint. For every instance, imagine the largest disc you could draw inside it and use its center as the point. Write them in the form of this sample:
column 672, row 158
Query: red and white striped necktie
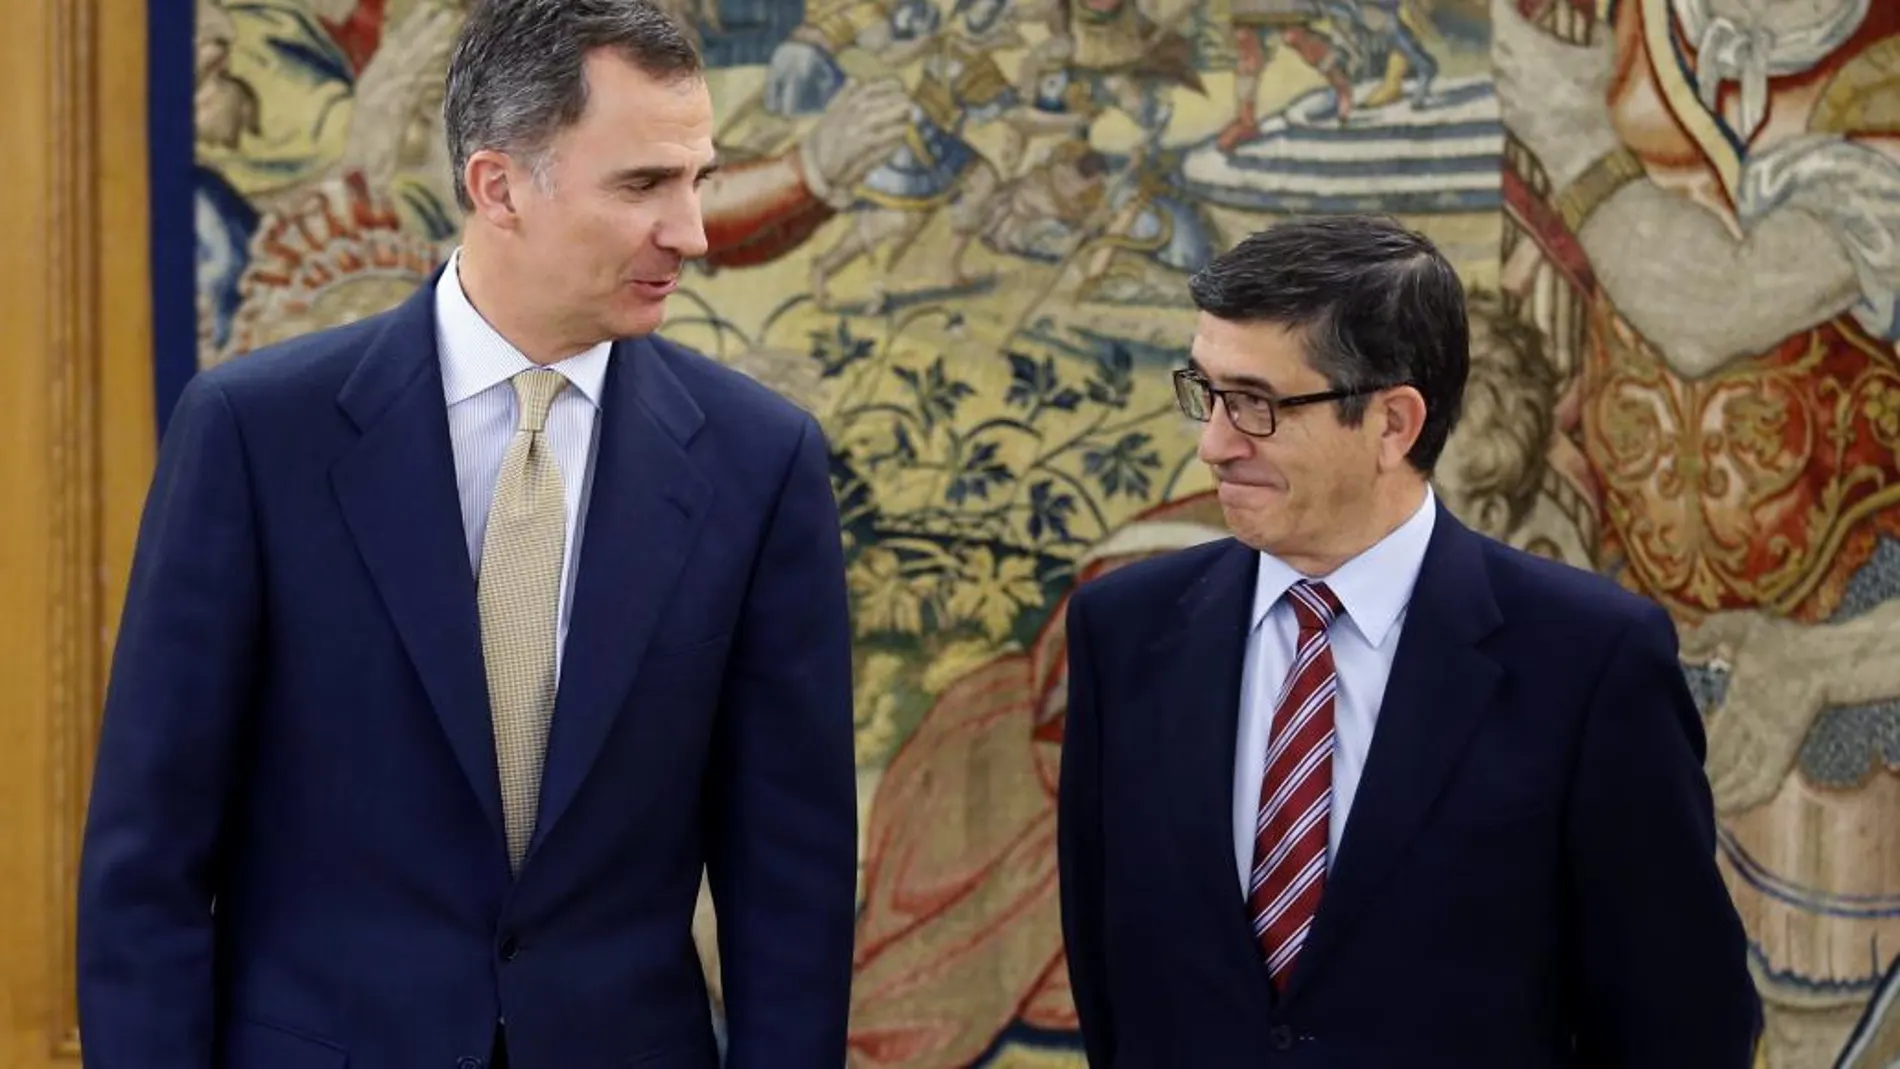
column 1290, row 832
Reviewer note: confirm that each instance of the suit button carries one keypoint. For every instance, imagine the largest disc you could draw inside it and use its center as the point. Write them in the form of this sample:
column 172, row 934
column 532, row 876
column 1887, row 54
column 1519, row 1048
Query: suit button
column 468, row 1061
column 510, row 947
column 1282, row 1037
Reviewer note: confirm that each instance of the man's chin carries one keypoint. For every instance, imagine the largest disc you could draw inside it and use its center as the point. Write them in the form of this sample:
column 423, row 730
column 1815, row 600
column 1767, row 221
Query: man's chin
column 633, row 321
column 1249, row 524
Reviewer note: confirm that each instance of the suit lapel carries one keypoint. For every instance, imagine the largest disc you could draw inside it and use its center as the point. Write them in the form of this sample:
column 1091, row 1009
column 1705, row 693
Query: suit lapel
column 1439, row 689
column 1198, row 699
column 397, row 492
column 647, row 503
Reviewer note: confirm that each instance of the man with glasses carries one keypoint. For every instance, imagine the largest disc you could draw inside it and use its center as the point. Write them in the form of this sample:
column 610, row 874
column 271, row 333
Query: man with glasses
column 1359, row 786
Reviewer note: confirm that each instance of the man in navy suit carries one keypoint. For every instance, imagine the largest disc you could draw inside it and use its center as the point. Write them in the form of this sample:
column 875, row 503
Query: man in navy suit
column 462, row 639
column 1358, row 786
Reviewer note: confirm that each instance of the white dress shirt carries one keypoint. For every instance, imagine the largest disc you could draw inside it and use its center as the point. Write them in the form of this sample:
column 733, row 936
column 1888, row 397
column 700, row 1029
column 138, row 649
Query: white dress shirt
column 1374, row 589
column 478, row 366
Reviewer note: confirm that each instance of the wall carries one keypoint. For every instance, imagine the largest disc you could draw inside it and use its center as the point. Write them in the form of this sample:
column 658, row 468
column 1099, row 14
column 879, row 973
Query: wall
column 76, row 440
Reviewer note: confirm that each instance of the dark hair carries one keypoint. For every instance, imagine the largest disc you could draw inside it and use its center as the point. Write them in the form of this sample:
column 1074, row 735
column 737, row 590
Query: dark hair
column 1378, row 305
column 518, row 73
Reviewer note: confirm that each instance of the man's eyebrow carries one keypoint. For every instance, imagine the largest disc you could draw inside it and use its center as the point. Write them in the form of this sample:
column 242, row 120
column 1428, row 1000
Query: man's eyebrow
column 658, row 173
column 1245, row 382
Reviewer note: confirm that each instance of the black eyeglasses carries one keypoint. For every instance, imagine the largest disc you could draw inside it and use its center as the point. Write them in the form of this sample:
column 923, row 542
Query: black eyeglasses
column 1254, row 414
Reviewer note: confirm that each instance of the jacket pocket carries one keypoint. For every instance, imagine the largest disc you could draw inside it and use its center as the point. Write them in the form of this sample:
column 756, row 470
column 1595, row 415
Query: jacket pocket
column 691, row 670
column 250, row 1044
column 679, row 1056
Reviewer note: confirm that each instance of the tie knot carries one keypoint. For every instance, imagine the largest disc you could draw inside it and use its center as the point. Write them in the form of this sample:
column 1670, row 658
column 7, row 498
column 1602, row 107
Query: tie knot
column 1314, row 605
column 536, row 390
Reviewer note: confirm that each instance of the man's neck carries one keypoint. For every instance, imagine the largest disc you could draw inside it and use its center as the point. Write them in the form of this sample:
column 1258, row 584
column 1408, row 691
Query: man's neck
column 1396, row 499
column 486, row 293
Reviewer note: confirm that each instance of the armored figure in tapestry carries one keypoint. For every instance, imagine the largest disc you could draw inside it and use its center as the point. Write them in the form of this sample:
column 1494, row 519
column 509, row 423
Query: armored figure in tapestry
column 1709, row 243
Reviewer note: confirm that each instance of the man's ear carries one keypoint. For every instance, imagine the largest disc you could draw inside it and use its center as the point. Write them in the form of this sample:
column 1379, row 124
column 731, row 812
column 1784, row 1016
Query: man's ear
column 1399, row 414
column 490, row 176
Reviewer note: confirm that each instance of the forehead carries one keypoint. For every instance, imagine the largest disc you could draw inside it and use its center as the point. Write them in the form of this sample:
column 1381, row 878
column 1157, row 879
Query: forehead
column 638, row 118
column 1271, row 352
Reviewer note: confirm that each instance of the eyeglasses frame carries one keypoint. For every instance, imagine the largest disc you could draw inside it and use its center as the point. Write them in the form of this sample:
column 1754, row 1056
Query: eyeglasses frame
column 1188, row 375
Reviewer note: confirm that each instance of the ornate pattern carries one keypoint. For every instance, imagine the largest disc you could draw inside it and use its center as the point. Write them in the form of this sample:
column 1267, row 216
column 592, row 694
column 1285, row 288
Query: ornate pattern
column 338, row 254
column 1741, row 489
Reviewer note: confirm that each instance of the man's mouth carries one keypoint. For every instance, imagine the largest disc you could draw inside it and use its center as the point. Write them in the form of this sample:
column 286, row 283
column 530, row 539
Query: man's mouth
column 657, row 287
column 1246, row 485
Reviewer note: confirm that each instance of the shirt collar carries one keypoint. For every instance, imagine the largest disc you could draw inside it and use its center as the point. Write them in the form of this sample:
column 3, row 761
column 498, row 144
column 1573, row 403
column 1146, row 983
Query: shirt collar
column 475, row 356
column 1373, row 587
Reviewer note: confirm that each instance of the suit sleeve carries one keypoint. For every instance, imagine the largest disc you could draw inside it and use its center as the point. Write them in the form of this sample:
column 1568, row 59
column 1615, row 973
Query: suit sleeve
column 182, row 680
column 1079, row 845
column 1662, row 956
column 782, row 790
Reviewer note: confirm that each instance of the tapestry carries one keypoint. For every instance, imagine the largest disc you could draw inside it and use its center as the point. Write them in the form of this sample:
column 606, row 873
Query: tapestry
column 1679, row 222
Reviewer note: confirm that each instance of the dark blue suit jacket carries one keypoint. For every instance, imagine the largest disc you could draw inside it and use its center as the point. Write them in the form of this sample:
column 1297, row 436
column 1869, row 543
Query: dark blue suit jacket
column 1527, row 876
column 294, row 857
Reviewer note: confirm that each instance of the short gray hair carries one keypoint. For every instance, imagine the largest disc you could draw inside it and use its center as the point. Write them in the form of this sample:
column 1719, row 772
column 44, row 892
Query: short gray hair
column 518, row 73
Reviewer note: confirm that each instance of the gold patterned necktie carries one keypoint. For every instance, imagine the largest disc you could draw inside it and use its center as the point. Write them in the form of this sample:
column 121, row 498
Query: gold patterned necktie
column 519, row 593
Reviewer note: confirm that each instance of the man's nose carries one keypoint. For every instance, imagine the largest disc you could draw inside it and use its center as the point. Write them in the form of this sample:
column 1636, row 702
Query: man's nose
column 1221, row 441
column 683, row 231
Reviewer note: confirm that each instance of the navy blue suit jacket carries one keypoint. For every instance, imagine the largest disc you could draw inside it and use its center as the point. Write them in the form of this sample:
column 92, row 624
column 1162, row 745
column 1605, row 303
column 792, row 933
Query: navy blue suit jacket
column 294, row 857
column 1527, row 876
